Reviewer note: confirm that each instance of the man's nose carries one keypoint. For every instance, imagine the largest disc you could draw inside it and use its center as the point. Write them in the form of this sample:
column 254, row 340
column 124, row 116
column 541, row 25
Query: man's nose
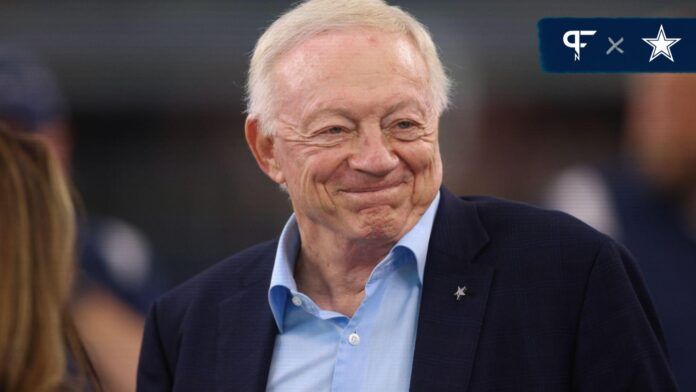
column 373, row 153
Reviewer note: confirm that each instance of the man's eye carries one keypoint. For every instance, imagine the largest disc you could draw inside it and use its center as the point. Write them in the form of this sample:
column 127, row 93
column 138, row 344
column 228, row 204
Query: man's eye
column 405, row 124
column 406, row 130
column 334, row 130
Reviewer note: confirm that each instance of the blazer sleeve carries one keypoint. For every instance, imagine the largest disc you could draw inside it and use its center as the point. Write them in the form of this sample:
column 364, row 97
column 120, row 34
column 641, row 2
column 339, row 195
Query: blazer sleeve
column 620, row 345
column 154, row 373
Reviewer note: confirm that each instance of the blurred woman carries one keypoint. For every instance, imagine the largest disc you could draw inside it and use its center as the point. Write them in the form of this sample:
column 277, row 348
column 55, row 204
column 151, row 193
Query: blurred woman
column 39, row 347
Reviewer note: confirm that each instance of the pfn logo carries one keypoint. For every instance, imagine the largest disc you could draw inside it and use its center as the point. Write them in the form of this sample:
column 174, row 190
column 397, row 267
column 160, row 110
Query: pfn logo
column 576, row 43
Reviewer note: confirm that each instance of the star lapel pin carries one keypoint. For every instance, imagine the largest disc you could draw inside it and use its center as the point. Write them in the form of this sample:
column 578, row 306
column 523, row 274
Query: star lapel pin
column 661, row 45
column 461, row 292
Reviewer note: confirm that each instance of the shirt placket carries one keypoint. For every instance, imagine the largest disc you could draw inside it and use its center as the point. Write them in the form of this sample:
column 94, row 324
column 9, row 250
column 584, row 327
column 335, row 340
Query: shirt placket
column 352, row 354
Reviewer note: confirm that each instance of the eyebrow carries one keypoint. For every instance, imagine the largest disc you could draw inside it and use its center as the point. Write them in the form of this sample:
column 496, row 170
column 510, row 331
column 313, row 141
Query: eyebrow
column 404, row 104
column 340, row 111
column 346, row 112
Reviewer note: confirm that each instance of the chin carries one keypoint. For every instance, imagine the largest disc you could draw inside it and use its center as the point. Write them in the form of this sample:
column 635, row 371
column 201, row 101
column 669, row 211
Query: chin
column 380, row 222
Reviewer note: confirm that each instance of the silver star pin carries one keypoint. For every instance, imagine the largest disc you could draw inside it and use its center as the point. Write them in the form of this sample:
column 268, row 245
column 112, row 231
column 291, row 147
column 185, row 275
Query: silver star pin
column 461, row 292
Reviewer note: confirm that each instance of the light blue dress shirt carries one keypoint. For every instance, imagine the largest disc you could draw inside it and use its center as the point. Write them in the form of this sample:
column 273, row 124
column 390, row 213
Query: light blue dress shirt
column 322, row 350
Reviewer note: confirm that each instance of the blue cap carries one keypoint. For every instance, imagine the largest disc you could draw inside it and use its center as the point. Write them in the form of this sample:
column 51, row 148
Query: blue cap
column 29, row 94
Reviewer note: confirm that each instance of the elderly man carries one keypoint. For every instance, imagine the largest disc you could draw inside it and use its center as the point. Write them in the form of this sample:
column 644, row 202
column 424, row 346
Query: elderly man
column 382, row 280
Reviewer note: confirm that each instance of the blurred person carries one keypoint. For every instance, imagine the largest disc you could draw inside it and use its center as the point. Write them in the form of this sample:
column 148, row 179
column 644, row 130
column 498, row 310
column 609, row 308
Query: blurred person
column 382, row 280
column 116, row 282
column 39, row 346
column 648, row 203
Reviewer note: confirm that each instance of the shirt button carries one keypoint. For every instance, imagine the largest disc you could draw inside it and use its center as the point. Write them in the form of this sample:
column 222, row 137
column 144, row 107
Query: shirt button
column 354, row 339
column 296, row 300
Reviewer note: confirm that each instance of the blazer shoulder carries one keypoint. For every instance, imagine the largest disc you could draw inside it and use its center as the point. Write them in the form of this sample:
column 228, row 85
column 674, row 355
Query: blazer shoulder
column 525, row 223
column 218, row 281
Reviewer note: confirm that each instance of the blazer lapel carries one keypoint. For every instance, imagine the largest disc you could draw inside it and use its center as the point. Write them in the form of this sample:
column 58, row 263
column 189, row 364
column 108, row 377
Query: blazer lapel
column 246, row 332
column 448, row 326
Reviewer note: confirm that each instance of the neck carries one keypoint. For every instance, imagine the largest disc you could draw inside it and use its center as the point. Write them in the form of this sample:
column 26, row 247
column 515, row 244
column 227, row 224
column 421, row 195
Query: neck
column 333, row 271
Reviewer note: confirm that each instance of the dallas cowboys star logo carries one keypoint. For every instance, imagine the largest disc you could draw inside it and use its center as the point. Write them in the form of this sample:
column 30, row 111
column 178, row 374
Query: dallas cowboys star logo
column 461, row 292
column 661, row 45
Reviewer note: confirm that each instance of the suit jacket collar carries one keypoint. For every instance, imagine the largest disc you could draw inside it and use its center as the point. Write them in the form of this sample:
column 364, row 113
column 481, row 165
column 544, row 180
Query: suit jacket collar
column 246, row 330
column 448, row 328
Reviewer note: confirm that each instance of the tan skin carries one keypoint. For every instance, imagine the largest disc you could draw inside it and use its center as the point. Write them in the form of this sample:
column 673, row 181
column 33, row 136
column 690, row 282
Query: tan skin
column 661, row 134
column 356, row 145
column 661, row 128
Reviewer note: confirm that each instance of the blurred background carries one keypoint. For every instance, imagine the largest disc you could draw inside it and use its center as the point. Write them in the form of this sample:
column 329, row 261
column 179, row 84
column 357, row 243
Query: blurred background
column 154, row 92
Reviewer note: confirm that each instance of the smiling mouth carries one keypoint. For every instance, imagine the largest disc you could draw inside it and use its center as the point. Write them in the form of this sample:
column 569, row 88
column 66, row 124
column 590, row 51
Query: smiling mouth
column 372, row 189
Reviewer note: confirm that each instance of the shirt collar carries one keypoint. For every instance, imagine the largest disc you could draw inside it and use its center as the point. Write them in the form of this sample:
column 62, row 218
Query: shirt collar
column 282, row 278
column 418, row 238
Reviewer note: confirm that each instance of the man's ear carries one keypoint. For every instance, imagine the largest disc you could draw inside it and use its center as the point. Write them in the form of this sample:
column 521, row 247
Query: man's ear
column 261, row 146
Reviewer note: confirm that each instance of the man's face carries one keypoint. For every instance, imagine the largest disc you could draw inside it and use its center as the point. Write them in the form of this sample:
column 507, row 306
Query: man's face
column 356, row 135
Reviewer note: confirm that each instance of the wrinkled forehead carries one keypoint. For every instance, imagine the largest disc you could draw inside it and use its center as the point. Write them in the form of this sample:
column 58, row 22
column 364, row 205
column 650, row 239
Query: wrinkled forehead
column 353, row 58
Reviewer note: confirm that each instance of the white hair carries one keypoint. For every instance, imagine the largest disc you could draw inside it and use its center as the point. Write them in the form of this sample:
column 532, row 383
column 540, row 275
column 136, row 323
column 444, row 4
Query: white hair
column 312, row 17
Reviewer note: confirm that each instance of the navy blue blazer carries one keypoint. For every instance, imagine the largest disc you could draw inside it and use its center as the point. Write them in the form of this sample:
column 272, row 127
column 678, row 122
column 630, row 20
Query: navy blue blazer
column 553, row 305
